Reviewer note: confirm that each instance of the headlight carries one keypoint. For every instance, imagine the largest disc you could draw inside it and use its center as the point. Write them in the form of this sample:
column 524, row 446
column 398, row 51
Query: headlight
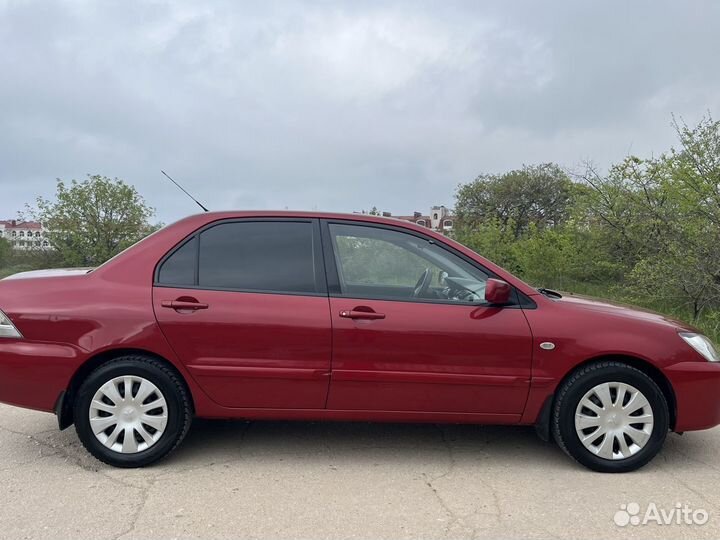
column 702, row 345
column 7, row 328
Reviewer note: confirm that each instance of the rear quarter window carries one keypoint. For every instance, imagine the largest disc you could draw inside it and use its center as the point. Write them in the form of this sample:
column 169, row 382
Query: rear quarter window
column 179, row 268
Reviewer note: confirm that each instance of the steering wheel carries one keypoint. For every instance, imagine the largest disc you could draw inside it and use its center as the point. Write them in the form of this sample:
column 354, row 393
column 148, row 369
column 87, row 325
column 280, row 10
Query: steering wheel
column 423, row 283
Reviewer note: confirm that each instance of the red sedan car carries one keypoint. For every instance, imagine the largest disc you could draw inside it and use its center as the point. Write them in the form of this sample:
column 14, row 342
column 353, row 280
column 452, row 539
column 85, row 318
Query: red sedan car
column 314, row 316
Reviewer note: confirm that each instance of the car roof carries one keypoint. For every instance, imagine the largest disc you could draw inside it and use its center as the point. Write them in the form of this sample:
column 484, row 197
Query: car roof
column 294, row 213
column 230, row 214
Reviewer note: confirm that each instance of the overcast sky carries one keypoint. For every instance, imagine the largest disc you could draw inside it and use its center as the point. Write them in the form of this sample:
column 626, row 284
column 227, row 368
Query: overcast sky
column 339, row 106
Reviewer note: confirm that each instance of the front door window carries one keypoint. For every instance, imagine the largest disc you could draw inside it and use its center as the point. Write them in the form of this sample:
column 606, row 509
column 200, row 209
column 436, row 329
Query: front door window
column 383, row 263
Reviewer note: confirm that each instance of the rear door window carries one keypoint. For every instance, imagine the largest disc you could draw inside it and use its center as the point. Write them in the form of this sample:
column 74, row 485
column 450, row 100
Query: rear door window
column 262, row 256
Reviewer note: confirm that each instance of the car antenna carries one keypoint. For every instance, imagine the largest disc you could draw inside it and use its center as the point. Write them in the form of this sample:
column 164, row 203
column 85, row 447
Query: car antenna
column 184, row 191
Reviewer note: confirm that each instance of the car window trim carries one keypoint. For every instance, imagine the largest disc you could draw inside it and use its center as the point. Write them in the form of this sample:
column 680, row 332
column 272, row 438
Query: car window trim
column 317, row 258
column 520, row 300
column 237, row 290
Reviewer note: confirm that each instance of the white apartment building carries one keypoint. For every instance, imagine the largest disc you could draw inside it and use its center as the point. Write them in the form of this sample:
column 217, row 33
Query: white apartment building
column 23, row 234
column 440, row 219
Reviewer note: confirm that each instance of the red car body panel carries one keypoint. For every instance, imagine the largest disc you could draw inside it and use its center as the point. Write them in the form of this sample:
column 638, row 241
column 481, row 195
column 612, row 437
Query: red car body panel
column 254, row 355
column 430, row 357
column 253, row 350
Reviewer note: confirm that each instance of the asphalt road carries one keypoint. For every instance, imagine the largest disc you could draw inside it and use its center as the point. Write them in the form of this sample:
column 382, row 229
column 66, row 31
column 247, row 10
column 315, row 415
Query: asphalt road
column 342, row 480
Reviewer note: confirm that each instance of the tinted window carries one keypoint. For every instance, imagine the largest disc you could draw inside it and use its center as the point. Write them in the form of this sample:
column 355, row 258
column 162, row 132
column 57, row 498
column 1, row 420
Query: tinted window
column 179, row 268
column 258, row 256
column 382, row 263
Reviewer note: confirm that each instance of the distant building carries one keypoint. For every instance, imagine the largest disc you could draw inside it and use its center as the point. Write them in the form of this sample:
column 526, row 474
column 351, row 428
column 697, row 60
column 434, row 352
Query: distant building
column 439, row 220
column 23, row 234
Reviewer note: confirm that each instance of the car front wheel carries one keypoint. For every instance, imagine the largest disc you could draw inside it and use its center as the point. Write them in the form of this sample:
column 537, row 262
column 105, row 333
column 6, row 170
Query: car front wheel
column 132, row 411
column 610, row 417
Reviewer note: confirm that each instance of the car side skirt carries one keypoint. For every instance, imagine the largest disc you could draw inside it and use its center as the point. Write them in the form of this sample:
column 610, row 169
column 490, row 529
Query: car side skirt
column 363, row 415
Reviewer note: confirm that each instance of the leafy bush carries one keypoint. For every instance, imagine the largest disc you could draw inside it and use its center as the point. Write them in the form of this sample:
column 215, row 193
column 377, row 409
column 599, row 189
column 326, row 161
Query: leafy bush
column 648, row 232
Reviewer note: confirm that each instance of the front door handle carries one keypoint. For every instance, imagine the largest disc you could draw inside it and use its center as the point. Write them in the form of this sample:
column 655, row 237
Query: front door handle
column 356, row 314
column 182, row 304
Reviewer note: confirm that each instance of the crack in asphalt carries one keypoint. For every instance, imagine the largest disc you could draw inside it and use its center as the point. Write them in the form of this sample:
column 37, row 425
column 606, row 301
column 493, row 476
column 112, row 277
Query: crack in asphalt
column 684, row 483
column 453, row 460
column 145, row 494
column 60, row 451
column 454, row 517
column 145, row 491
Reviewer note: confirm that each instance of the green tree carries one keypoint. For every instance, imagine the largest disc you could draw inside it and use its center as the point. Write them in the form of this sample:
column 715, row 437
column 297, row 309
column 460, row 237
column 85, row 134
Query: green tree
column 5, row 252
column 661, row 217
column 647, row 232
column 493, row 240
column 93, row 220
column 540, row 195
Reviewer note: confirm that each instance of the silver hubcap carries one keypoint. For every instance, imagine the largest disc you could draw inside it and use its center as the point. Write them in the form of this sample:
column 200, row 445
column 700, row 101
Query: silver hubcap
column 614, row 420
column 128, row 414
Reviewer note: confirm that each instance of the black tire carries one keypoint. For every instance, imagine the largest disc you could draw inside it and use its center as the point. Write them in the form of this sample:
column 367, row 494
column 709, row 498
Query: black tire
column 179, row 409
column 583, row 380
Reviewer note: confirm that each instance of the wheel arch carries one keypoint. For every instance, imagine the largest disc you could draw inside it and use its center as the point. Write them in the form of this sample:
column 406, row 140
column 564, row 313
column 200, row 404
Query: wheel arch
column 64, row 406
column 652, row 371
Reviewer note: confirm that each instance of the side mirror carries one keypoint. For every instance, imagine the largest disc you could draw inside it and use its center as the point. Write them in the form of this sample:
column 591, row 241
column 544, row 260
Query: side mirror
column 497, row 291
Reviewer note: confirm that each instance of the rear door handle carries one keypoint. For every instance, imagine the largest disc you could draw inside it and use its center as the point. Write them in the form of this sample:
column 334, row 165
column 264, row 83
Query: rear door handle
column 355, row 314
column 180, row 304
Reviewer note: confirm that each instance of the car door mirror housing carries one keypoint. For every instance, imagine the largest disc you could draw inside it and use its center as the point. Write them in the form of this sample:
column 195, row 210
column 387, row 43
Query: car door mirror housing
column 497, row 292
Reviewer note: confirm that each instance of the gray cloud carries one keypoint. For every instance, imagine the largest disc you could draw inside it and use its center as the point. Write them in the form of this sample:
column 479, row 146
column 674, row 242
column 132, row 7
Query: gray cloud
column 338, row 106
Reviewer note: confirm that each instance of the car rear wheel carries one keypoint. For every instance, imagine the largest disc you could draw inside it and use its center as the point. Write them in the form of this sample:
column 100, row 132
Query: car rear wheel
column 132, row 411
column 610, row 417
